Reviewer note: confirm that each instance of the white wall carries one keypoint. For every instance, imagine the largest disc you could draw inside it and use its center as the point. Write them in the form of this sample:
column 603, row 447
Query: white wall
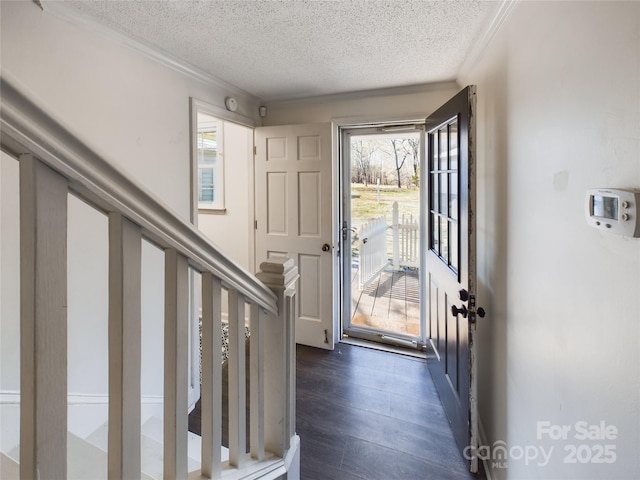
column 9, row 282
column 135, row 113
column 558, row 113
column 393, row 104
column 232, row 231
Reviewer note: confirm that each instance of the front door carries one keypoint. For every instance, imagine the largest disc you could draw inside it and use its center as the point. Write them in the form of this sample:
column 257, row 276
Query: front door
column 450, row 263
column 293, row 218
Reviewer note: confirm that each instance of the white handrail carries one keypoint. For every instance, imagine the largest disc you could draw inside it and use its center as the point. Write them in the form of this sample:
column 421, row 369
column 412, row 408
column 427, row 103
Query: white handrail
column 52, row 164
column 28, row 129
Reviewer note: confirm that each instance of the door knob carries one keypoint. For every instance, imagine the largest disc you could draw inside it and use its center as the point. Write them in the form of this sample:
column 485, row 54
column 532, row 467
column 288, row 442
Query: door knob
column 455, row 311
column 326, row 247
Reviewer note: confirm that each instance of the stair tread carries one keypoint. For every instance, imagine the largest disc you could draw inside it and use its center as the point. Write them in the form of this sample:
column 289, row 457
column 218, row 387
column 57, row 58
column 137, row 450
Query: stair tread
column 9, row 469
column 83, row 457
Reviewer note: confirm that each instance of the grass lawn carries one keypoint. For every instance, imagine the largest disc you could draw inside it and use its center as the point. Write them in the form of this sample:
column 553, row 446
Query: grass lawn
column 365, row 206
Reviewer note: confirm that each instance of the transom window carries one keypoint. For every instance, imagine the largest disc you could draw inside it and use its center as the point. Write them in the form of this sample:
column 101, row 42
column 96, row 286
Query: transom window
column 444, row 210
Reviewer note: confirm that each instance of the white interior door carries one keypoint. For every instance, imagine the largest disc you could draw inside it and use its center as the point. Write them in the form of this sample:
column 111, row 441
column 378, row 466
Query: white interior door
column 293, row 218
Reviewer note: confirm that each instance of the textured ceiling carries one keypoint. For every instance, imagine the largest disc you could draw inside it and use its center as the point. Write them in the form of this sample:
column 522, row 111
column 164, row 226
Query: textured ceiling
column 280, row 49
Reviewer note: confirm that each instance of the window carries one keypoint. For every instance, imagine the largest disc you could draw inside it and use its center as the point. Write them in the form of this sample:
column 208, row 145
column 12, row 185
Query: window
column 444, row 211
column 209, row 155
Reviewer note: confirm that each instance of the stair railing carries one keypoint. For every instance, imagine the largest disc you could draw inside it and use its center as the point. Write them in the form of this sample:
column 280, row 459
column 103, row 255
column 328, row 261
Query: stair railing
column 373, row 250
column 53, row 163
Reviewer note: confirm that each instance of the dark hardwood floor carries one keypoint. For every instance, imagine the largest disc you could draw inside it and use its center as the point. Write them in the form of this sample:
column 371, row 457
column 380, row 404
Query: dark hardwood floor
column 367, row 414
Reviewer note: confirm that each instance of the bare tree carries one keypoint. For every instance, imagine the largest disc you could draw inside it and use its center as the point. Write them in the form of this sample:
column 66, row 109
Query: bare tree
column 412, row 147
column 399, row 151
column 361, row 161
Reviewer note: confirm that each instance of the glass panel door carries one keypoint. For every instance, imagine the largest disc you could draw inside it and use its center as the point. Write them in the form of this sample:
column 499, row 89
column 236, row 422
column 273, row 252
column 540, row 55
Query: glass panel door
column 381, row 234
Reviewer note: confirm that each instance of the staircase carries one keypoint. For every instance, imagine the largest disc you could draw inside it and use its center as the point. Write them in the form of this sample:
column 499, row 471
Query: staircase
column 87, row 457
column 53, row 164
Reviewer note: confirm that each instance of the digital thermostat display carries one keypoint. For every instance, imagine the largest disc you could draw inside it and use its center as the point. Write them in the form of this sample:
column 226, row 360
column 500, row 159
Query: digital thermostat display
column 605, row 207
column 613, row 210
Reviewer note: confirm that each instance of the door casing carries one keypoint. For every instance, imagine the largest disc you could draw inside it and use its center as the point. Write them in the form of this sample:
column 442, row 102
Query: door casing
column 344, row 164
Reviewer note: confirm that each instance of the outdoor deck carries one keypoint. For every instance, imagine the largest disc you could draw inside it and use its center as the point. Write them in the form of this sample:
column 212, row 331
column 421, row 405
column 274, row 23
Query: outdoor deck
column 390, row 302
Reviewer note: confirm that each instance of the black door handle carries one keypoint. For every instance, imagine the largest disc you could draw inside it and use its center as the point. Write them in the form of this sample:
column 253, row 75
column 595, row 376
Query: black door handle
column 455, row 311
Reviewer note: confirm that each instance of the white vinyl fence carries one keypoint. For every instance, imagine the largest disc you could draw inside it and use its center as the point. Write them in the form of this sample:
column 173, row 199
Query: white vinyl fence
column 374, row 257
column 373, row 250
column 406, row 234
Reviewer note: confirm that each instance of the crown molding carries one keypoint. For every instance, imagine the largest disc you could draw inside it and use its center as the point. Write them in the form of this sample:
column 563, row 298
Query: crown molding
column 380, row 92
column 502, row 12
column 64, row 12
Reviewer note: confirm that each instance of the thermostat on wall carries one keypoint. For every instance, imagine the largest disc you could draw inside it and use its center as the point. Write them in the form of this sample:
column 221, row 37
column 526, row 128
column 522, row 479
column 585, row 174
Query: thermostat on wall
column 614, row 210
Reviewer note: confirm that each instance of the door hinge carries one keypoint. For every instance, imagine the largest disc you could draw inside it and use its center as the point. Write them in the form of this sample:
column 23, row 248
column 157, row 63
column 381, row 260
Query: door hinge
column 255, row 224
column 255, row 150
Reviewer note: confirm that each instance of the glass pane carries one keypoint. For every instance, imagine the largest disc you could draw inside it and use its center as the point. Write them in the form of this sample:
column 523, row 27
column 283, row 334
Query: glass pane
column 207, row 195
column 444, row 239
column 454, row 254
column 205, row 177
column 435, row 231
column 443, row 149
column 453, row 145
column 206, row 182
column 207, row 147
column 444, row 199
column 435, row 188
column 433, row 161
column 453, row 196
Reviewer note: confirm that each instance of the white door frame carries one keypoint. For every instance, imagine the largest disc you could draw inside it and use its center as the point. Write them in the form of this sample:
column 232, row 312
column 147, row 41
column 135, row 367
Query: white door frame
column 343, row 123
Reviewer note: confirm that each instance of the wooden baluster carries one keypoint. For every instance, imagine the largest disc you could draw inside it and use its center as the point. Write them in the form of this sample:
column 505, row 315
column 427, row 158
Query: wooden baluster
column 43, row 321
column 211, row 393
column 237, row 381
column 176, row 356
column 125, row 257
column 256, row 389
column 280, row 275
column 290, row 336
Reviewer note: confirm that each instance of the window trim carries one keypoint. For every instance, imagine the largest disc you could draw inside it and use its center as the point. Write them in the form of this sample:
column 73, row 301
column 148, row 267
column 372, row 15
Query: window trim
column 218, row 205
column 195, row 107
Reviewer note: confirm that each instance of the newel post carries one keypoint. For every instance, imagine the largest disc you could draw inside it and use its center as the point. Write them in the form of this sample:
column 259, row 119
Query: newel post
column 280, row 274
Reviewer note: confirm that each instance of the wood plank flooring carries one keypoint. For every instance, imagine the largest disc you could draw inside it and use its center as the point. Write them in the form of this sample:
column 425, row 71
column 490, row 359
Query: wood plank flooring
column 390, row 302
column 369, row 414
column 365, row 414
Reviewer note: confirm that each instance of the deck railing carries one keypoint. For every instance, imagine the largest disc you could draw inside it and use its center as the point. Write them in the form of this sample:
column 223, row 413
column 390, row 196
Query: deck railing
column 373, row 250
column 53, row 163
column 406, row 244
column 373, row 245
